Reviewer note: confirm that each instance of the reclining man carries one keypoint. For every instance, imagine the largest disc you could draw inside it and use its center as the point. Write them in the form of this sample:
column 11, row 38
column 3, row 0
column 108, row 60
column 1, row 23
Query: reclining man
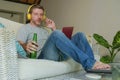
column 56, row 43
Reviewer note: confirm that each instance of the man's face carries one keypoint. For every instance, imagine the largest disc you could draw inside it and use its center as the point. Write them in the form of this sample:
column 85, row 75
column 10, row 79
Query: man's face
column 37, row 15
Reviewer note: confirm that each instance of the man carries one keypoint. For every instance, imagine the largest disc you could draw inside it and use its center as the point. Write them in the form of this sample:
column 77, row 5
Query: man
column 57, row 46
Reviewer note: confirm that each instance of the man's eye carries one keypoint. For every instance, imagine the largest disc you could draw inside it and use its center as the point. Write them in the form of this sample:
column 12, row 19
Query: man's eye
column 36, row 14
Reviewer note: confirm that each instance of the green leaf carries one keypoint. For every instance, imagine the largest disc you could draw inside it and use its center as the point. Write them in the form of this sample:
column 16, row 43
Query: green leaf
column 118, row 49
column 100, row 39
column 116, row 40
column 105, row 59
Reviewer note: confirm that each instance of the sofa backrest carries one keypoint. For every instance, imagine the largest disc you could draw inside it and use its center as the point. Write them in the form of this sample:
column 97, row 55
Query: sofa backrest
column 10, row 25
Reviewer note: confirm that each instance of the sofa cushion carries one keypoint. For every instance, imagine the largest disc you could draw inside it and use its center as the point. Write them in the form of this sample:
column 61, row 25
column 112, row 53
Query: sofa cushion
column 68, row 31
column 40, row 68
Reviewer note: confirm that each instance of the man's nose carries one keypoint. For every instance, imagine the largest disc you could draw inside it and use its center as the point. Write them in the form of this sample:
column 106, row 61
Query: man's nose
column 39, row 16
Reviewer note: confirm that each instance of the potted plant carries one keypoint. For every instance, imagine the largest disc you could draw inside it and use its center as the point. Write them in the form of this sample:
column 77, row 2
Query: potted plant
column 113, row 48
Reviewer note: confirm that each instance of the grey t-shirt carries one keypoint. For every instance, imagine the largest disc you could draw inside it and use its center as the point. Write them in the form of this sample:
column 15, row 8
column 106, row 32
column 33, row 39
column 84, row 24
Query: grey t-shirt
column 26, row 32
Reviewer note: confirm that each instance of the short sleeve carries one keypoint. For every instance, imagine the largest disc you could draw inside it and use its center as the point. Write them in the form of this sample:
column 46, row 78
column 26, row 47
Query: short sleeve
column 22, row 34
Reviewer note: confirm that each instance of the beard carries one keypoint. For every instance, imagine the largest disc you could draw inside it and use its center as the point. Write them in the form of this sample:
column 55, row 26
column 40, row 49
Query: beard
column 36, row 23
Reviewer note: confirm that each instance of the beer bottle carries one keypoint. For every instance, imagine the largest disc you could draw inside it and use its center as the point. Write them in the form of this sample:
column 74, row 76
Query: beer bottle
column 34, row 53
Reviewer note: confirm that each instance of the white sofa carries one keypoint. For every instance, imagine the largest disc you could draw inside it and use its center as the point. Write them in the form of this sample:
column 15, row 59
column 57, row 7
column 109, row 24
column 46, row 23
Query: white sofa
column 29, row 69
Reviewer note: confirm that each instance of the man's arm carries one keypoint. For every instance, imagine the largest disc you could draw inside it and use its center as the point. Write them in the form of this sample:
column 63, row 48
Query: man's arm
column 29, row 47
column 23, row 45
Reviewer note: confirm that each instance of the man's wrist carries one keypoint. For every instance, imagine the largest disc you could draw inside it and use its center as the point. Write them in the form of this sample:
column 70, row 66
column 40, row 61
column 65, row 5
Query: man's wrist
column 53, row 29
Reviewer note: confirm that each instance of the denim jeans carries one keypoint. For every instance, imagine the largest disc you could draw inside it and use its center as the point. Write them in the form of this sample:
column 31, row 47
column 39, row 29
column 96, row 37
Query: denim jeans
column 58, row 46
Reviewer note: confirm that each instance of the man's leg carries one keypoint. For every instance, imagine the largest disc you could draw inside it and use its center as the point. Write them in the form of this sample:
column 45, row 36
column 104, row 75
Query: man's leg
column 51, row 52
column 80, row 40
column 67, row 47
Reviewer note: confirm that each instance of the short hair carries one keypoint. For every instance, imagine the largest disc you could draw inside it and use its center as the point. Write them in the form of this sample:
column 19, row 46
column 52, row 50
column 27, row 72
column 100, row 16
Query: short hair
column 36, row 6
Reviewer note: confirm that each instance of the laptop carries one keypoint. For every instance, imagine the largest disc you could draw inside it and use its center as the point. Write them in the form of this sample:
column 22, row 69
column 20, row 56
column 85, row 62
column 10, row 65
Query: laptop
column 68, row 31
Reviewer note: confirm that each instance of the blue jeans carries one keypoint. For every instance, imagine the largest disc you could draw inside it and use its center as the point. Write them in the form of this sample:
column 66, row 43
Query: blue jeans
column 58, row 46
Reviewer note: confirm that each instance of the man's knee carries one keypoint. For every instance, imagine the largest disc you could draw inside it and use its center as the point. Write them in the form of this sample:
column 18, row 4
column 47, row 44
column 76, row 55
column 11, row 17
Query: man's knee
column 57, row 33
column 79, row 34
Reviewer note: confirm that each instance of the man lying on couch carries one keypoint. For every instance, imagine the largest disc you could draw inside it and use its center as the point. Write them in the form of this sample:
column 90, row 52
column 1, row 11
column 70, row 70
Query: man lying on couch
column 56, row 43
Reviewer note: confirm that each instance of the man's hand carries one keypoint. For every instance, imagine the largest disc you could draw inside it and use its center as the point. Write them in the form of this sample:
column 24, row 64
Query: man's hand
column 50, row 24
column 30, row 46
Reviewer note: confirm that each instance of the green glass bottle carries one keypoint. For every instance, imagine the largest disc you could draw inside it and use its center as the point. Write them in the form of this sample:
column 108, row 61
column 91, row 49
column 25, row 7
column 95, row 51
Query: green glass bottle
column 34, row 54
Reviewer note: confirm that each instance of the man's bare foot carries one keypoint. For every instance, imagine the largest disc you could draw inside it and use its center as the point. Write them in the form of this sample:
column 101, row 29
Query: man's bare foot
column 100, row 65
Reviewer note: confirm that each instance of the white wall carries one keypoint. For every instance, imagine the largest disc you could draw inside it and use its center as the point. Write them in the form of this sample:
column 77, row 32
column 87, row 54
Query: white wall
column 89, row 16
column 15, row 7
column 101, row 16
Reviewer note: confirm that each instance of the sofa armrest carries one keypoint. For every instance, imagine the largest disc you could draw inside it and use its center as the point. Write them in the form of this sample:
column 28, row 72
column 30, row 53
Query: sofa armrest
column 8, row 56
